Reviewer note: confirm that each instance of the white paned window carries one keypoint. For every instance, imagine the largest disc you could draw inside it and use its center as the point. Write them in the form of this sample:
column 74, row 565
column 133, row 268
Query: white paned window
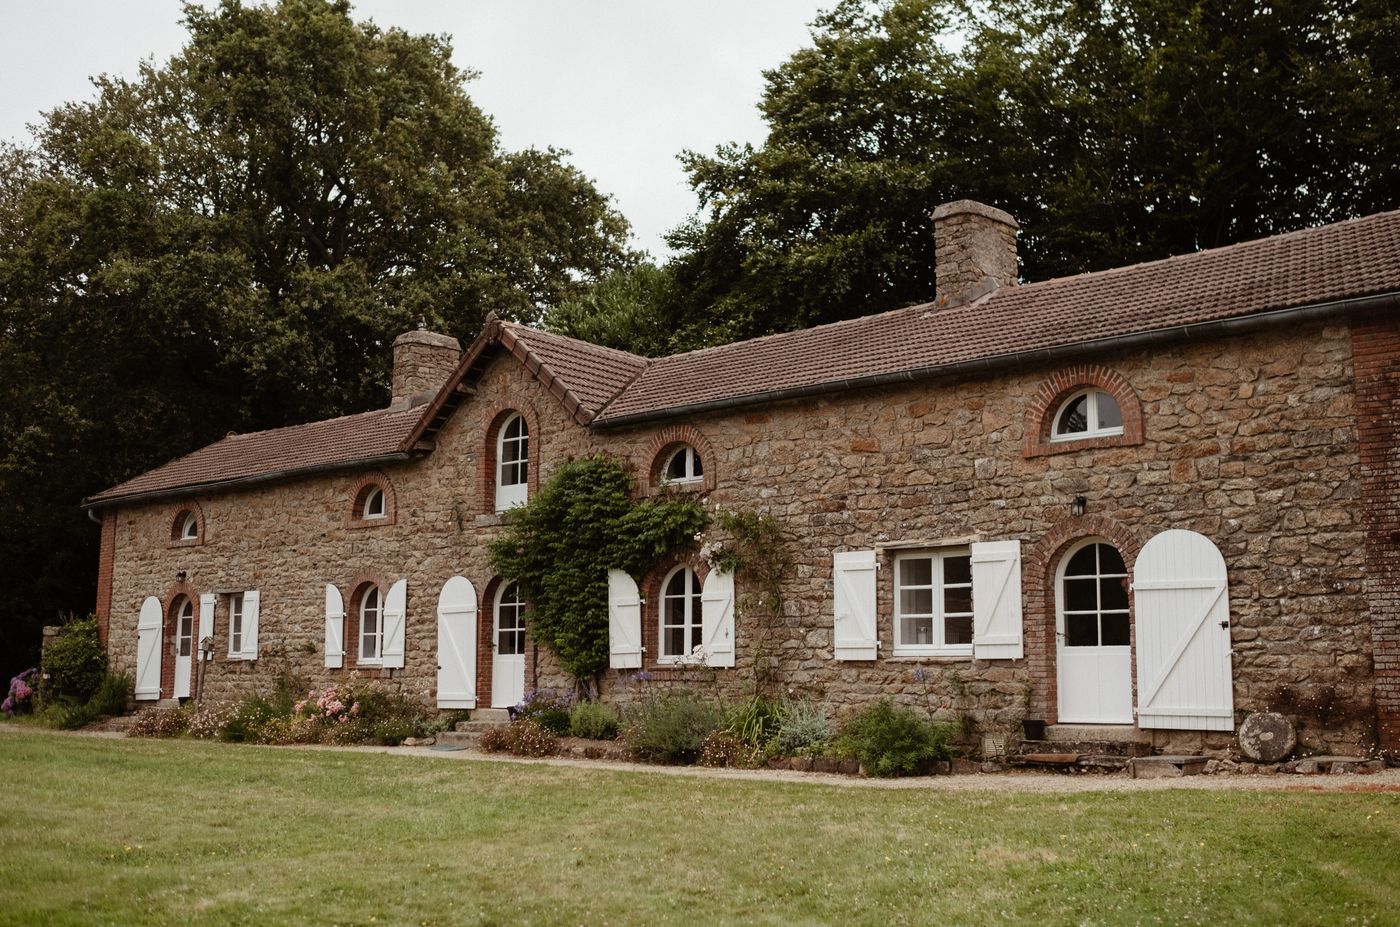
column 933, row 602
column 1095, row 598
column 374, row 503
column 1090, row 413
column 512, row 463
column 371, row 626
column 510, row 621
column 683, row 466
column 184, row 629
column 189, row 530
column 235, row 625
column 681, row 619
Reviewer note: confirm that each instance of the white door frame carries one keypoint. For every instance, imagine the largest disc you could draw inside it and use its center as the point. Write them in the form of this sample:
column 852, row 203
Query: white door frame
column 1094, row 684
column 507, row 670
column 184, row 662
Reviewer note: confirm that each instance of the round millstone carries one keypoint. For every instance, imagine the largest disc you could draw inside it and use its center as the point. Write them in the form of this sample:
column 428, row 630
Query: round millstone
column 1267, row 737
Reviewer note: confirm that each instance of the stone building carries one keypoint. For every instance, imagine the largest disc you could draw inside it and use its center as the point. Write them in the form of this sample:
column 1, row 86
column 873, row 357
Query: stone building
column 1155, row 497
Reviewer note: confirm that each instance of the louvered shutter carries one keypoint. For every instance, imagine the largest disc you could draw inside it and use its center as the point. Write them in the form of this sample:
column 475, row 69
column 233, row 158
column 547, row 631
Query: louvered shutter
column 206, row 621
column 996, row 601
column 252, row 605
column 717, row 618
column 148, row 633
column 335, row 627
column 395, row 608
column 1181, row 606
column 624, row 622
column 855, row 636
column 456, row 672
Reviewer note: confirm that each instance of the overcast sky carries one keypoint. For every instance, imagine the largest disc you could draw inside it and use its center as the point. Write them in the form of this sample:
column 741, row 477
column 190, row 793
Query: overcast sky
column 623, row 84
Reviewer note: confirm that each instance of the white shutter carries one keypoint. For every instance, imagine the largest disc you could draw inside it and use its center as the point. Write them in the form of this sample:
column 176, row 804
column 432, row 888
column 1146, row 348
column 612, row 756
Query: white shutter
column 996, row 600
column 717, row 618
column 206, row 621
column 395, row 607
column 1181, row 605
column 456, row 672
column 148, row 632
column 335, row 628
column 252, row 600
column 624, row 622
column 855, row 636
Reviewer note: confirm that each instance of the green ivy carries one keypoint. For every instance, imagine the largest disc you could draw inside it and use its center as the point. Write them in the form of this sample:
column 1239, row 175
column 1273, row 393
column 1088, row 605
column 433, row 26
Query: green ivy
column 585, row 521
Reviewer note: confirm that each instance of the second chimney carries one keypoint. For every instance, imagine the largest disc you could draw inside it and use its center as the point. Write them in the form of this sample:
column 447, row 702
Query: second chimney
column 423, row 361
column 974, row 251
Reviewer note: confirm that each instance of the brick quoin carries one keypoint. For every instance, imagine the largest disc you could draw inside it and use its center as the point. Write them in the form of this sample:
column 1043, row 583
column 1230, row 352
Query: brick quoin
column 103, row 608
column 1376, row 356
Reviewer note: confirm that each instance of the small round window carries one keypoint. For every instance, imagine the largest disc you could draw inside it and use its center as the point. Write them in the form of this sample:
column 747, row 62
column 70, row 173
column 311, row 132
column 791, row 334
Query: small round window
column 1090, row 413
column 683, row 466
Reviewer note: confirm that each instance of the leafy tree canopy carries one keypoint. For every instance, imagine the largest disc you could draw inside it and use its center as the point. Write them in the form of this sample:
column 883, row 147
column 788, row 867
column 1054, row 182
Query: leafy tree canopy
column 232, row 239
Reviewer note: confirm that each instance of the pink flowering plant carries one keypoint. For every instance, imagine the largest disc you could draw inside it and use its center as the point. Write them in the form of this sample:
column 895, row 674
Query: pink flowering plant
column 335, row 704
column 20, row 699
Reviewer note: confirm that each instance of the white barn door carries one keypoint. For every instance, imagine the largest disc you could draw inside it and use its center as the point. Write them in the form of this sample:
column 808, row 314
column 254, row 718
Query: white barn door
column 1182, row 602
column 148, row 635
column 456, row 643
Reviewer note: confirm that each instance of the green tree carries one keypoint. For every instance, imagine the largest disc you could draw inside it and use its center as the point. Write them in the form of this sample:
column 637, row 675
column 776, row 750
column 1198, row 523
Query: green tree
column 624, row 310
column 231, row 240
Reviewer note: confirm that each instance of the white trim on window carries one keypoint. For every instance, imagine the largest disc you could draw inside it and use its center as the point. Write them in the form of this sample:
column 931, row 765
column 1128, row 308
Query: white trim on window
column 184, row 629
column 371, row 634
column 189, row 529
column 374, row 504
column 512, row 463
column 683, row 467
column 235, row 626
column 933, row 597
column 509, row 616
column 681, row 611
column 1101, row 416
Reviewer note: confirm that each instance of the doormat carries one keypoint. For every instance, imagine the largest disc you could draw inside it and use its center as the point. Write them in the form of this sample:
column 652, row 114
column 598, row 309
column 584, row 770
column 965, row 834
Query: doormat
column 447, row 747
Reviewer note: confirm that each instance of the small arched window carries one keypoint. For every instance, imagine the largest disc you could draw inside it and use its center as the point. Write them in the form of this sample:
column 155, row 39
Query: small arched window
column 185, row 527
column 680, row 615
column 510, row 621
column 512, row 463
column 373, row 505
column 683, row 467
column 1090, row 413
column 371, row 626
column 190, row 529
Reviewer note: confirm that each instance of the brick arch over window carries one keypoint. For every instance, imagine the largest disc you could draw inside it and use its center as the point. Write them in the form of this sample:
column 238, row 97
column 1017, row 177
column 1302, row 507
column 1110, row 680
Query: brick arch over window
column 1039, row 572
column 174, row 597
column 485, row 644
column 375, row 479
column 1040, row 414
column 498, row 417
column 666, row 441
column 650, row 589
column 176, row 524
column 361, row 582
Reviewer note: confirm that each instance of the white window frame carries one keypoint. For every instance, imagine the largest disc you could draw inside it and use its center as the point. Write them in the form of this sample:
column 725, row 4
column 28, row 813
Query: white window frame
column 1091, row 412
column 509, row 495
column 378, row 658
column 180, row 617
column 235, row 626
column 189, row 528
column 937, row 648
column 517, row 603
column 694, row 467
column 371, row 494
column 692, row 617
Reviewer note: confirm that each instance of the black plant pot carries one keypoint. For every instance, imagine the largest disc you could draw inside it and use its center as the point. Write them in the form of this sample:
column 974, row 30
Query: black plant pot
column 1034, row 730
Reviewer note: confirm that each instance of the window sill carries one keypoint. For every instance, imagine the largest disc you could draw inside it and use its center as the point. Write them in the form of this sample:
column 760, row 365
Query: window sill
column 1048, row 446
column 382, row 521
column 943, row 654
column 186, row 542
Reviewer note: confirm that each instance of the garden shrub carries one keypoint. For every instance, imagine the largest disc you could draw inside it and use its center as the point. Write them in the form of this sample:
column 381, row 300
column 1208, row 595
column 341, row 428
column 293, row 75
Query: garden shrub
column 523, row 737
column 593, row 721
column 549, row 708
column 111, row 695
column 725, row 748
column 754, row 720
column 670, row 728
column 207, row 723
column 893, row 741
column 160, row 722
column 802, row 727
column 75, row 662
column 68, row 713
column 245, row 721
column 20, row 699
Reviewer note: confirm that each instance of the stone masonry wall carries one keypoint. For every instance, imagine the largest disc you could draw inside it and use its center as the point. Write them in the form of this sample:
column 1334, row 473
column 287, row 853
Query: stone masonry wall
column 1251, row 441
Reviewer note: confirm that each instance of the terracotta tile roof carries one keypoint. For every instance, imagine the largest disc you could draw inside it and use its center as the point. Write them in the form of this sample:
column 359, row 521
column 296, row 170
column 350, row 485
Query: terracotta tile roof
column 592, row 374
column 329, row 443
column 1348, row 259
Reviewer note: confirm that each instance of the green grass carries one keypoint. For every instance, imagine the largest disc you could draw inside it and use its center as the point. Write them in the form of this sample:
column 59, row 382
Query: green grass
column 147, row 832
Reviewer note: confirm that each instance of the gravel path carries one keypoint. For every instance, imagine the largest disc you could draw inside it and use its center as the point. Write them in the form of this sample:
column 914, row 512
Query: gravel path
column 1050, row 783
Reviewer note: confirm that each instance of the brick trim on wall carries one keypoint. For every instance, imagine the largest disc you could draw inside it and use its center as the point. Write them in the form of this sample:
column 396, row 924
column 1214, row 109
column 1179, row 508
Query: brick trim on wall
column 105, row 558
column 177, row 521
column 1041, row 563
column 486, row 645
column 1040, row 414
column 176, row 593
column 375, row 479
column 650, row 589
column 498, row 417
column 1375, row 345
column 359, row 583
column 662, row 444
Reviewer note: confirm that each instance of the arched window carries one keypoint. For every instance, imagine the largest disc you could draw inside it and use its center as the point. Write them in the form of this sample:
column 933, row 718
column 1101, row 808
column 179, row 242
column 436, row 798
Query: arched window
column 184, row 627
column 190, row 529
column 680, row 615
column 683, row 467
column 1094, row 597
column 1090, row 413
column 371, row 626
column 186, row 526
column 373, row 505
column 512, row 463
column 510, row 621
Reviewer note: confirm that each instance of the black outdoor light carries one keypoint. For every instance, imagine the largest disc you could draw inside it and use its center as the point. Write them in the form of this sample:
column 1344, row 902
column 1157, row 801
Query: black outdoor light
column 1076, row 508
column 181, row 576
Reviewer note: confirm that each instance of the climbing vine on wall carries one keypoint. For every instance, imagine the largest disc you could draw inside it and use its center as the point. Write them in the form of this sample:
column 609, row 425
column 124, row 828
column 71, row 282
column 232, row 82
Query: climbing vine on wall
column 585, row 521
column 752, row 547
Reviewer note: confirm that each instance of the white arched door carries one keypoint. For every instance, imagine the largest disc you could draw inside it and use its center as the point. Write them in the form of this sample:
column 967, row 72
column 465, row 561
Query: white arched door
column 1182, row 601
column 456, row 672
column 508, row 647
column 1093, row 633
column 184, row 647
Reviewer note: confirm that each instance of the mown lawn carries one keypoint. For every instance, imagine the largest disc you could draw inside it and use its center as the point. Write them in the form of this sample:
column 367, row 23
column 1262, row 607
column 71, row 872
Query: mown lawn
column 144, row 832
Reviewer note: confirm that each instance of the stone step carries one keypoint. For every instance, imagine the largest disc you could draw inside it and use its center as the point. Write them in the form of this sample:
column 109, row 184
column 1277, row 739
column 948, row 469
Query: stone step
column 1170, row 766
column 1316, row 765
column 476, row 727
column 1095, row 747
column 168, row 703
column 459, row 738
column 1098, row 733
column 490, row 714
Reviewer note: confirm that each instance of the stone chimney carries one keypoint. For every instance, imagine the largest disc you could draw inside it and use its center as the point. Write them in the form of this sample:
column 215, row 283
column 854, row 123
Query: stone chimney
column 974, row 251
column 423, row 361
